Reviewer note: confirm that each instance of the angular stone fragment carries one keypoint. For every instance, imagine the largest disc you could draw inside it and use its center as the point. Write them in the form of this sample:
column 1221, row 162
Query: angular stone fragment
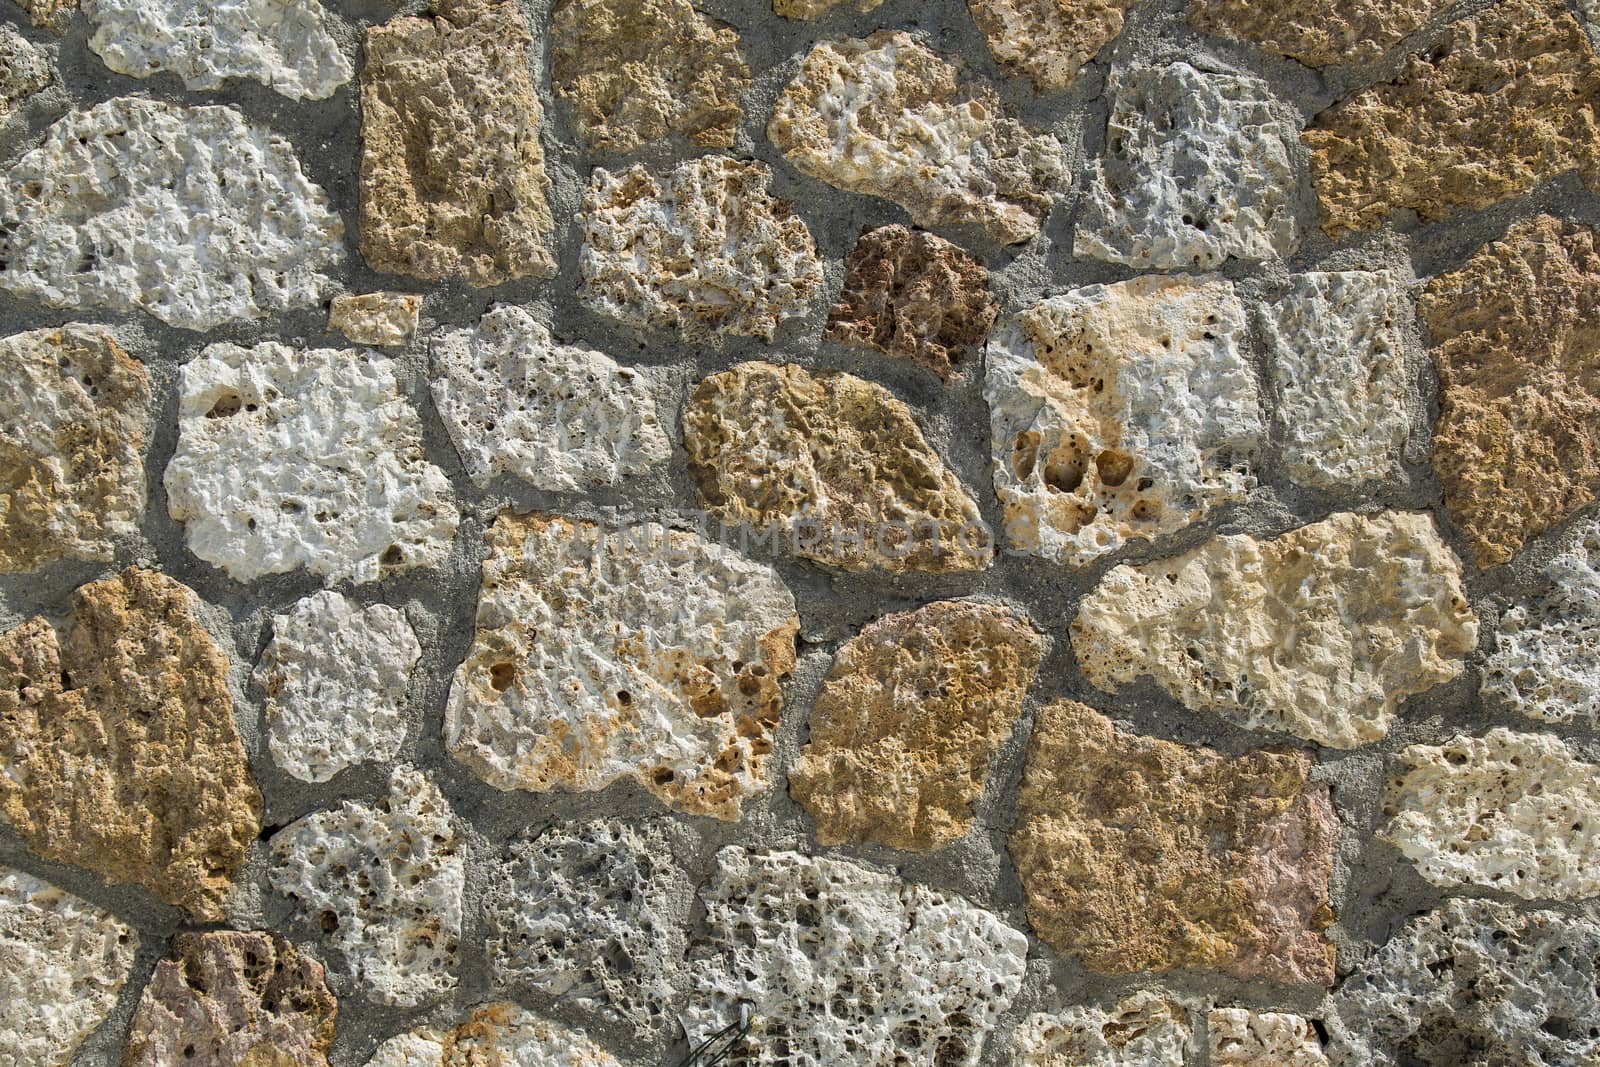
column 294, row 458
column 384, row 884
column 62, row 963
column 1546, row 660
column 376, row 318
column 1505, row 100
column 118, row 750
column 188, row 213
column 842, row 964
column 280, row 43
column 704, row 250
column 232, row 999
column 1339, row 377
column 73, row 422
column 560, row 417
column 53, row 16
column 834, row 466
column 810, row 9
column 603, row 654
column 1199, row 167
column 887, row 117
column 1143, row 1030
column 453, row 185
column 335, row 677
column 1048, row 41
column 1475, row 982
column 1321, row 632
column 1244, row 1038
column 637, row 70
column 913, row 295
column 1319, row 33
column 594, row 916
column 24, row 70
column 1136, row 853
column 907, row 721
column 494, row 1035
column 1517, row 446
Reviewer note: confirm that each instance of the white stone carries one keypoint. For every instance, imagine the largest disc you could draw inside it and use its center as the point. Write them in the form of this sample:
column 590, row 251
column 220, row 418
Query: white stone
column 1199, row 167
column 1143, row 1030
column 1546, row 659
column 335, row 678
column 494, row 1035
column 280, row 43
column 294, row 458
column 1121, row 412
column 24, row 70
column 376, row 318
column 189, row 213
column 384, row 884
column 560, row 417
column 1244, row 1038
column 840, row 964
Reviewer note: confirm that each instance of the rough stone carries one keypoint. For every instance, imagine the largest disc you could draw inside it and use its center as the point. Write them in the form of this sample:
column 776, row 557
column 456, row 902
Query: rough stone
column 453, row 185
column 557, row 416
column 494, row 1035
column 1047, row 41
column 376, row 318
column 188, row 213
column 24, row 70
column 1319, row 33
column 384, row 884
column 52, row 16
column 1244, row 1038
column 62, row 963
column 73, row 424
column 335, row 677
column 232, row 999
column 1143, row 1030
column 118, row 750
column 603, row 654
column 1517, row 446
column 842, row 964
column 294, row 458
column 1121, row 412
column 836, row 461
column 810, row 9
column 280, row 43
column 1137, row 853
column 637, row 70
column 1321, row 632
column 886, row 117
column 913, row 295
column 595, row 916
column 1503, row 101
column 1475, row 982
column 1339, row 377
column 1508, row 811
column 1199, row 167
column 704, row 250
column 1546, row 659
column 907, row 721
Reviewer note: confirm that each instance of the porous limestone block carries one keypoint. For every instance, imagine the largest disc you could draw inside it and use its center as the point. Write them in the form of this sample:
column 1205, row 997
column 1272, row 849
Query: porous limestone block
column 1546, row 659
column 1143, row 1030
column 1319, row 33
column 493, row 1035
column 1240, row 1037
column 52, row 16
column 24, row 70
column 376, row 318
column 1047, row 41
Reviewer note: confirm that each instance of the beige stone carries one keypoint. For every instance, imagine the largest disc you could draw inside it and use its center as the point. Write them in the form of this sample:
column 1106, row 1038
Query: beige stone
column 24, row 70
column 1048, row 41
column 376, row 318
column 1240, row 1037
column 493, row 1035
column 1143, row 1030
column 1319, row 33
column 810, row 9
column 53, row 16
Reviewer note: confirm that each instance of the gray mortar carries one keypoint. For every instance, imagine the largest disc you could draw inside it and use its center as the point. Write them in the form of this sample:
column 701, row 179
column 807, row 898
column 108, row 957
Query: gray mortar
column 1374, row 888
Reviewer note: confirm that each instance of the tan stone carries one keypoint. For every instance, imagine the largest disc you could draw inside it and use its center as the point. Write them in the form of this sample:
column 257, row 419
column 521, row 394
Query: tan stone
column 1048, row 41
column 1136, row 853
column 1517, row 445
column 24, row 71
column 1319, row 33
column 1504, row 101
column 376, row 318
column 1144, row 1029
column 908, row 720
column 53, row 16
column 118, row 750
column 810, row 9
column 1240, row 1037
column 453, row 185
column 493, row 1035
column 834, row 467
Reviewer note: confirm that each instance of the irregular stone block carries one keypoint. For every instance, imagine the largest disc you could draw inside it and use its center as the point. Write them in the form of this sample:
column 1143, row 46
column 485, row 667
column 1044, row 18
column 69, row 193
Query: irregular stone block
column 558, row 416
column 637, row 70
column 110, row 209
column 1047, row 41
column 1319, row 33
column 1321, row 632
column 833, row 466
column 838, row 963
column 493, row 1034
column 118, row 750
column 1519, row 384
column 1546, row 660
column 376, row 318
column 1339, row 377
column 24, row 70
column 1121, row 412
column 704, row 250
column 1244, row 1038
column 293, row 458
column 453, row 186
column 1199, row 167
column 335, row 677
column 907, row 721
column 280, row 43
column 1475, row 982
column 1143, row 1030
column 232, row 999
column 913, row 295
column 73, row 425
column 641, row 653
column 1505, row 100
column 1136, row 853
column 53, row 16
column 62, row 963
column 887, row 117
column 810, row 9
column 383, row 882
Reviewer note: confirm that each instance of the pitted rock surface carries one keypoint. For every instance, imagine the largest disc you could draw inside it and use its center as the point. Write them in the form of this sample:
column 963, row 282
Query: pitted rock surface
column 376, row 318
column 24, row 70
column 52, row 16
column 1142, row 1030
column 1047, row 41
column 1319, row 33
column 810, row 9
column 1240, row 1037
column 494, row 1035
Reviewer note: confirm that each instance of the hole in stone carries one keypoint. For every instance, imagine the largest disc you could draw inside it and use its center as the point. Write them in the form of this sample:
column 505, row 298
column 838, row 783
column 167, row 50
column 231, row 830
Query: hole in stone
column 501, row 675
column 1114, row 467
column 227, row 404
